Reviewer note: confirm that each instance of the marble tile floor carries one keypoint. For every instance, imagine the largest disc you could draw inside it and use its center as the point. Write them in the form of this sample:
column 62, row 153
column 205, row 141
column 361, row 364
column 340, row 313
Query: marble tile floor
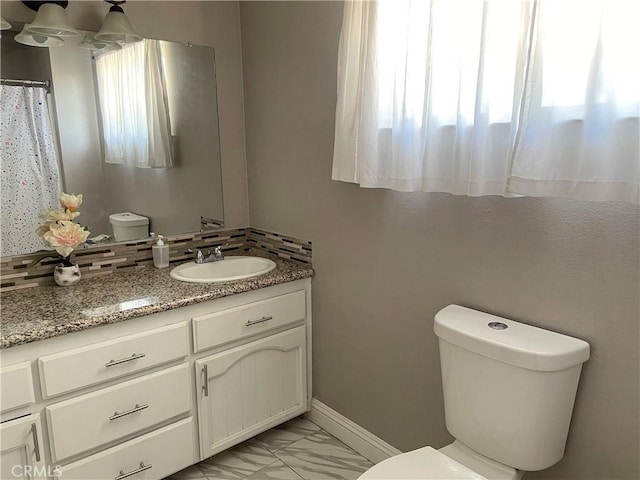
column 296, row 450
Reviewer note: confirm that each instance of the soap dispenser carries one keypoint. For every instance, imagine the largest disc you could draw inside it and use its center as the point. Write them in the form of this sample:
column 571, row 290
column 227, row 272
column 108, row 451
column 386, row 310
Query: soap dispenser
column 160, row 253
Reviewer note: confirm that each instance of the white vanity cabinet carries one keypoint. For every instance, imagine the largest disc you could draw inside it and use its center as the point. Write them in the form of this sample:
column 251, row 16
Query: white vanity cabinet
column 147, row 397
column 150, row 456
column 21, row 447
column 258, row 384
column 21, row 451
column 96, row 363
column 16, row 383
column 89, row 421
column 248, row 389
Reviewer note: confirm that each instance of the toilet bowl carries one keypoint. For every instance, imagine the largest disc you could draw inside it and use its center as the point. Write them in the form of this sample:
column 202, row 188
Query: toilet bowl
column 509, row 390
column 453, row 462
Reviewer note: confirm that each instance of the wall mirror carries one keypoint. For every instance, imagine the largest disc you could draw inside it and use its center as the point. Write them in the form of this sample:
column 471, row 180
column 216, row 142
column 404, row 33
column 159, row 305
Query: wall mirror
column 182, row 196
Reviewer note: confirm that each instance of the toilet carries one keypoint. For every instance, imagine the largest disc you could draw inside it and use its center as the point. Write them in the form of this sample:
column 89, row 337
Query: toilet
column 129, row 226
column 509, row 390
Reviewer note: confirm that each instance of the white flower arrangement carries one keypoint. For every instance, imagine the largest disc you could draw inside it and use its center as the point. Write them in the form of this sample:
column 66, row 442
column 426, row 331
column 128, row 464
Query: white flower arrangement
column 59, row 231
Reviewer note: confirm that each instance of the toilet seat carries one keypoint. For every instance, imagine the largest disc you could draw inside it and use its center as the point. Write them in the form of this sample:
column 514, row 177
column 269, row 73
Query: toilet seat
column 421, row 464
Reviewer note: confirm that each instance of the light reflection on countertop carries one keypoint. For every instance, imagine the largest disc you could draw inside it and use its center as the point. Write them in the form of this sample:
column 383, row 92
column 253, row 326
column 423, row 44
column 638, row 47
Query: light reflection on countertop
column 44, row 312
column 120, row 307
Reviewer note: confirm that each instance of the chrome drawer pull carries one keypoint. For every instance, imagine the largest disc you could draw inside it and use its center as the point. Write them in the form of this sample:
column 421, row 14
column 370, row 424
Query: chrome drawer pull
column 205, row 385
column 260, row 320
column 142, row 468
column 135, row 356
column 135, row 409
column 36, row 444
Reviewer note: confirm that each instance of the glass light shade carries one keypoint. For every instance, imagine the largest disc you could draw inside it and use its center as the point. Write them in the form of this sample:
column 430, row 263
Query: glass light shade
column 89, row 42
column 34, row 40
column 51, row 19
column 116, row 28
column 4, row 25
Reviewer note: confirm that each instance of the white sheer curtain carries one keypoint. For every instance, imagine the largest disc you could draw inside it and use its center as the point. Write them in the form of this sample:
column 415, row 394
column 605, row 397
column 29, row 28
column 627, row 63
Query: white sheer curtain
column 133, row 105
column 30, row 170
column 493, row 97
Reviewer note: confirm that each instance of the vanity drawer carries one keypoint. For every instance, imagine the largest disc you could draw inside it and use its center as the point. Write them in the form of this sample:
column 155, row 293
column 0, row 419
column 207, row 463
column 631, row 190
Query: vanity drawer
column 97, row 418
column 17, row 386
column 225, row 326
column 155, row 455
column 67, row 371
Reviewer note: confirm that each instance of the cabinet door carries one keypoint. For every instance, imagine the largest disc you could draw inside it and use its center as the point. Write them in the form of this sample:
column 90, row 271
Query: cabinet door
column 21, row 452
column 248, row 389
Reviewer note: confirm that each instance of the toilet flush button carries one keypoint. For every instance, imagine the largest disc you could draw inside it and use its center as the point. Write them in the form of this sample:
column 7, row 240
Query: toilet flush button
column 498, row 325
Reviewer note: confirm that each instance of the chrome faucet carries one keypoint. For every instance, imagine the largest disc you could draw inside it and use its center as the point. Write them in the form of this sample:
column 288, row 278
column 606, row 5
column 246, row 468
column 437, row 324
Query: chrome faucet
column 199, row 256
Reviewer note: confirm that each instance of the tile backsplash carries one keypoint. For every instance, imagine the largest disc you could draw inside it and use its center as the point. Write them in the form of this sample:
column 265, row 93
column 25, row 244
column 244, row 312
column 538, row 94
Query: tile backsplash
column 283, row 246
column 96, row 260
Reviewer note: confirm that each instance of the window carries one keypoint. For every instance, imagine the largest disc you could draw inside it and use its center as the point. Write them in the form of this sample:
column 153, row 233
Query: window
column 493, row 97
column 133, row 106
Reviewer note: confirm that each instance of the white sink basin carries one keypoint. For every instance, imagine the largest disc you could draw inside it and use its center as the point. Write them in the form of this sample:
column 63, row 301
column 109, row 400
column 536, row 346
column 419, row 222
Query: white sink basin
column 231, row 268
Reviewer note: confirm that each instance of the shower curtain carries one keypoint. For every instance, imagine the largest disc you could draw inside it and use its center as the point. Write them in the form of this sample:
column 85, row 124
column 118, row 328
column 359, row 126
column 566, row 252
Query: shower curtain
column 30, row 171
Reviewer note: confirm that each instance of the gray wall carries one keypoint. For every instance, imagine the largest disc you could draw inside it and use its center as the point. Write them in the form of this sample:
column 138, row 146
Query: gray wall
column 386, row 262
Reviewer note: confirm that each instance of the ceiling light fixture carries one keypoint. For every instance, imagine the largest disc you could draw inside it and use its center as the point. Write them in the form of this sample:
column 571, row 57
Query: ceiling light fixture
column 4, row 25
column 51, row 26
column 51, row 19
column 89, row 42
column 116, row 27
column 34, row 40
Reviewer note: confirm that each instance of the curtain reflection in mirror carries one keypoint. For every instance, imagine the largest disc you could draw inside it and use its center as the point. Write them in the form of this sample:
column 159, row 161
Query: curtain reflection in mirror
column 133, row 105
column 30, row 170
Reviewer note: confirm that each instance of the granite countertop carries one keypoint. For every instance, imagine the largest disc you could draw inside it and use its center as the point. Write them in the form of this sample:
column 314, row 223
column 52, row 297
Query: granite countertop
column 43, row 312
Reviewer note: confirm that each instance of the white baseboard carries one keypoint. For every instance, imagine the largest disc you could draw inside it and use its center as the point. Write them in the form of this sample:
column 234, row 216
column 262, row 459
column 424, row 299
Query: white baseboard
column 352, row 434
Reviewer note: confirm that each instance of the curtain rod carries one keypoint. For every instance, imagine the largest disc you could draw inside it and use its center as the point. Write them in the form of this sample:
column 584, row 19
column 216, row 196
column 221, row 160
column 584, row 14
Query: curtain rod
column 26, row 83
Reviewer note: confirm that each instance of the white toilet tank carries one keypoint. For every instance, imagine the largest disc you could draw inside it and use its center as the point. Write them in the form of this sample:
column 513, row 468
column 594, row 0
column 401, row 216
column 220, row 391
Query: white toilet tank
column 129, row 226
column 509, row 388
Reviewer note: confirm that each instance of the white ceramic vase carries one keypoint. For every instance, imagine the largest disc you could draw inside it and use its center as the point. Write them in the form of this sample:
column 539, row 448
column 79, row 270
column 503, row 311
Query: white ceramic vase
column 66, row 276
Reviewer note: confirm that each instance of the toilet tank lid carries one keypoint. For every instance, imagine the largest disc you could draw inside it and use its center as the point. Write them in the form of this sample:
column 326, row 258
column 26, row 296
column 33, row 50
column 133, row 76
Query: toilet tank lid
column 509, row 341
column 128, row 219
